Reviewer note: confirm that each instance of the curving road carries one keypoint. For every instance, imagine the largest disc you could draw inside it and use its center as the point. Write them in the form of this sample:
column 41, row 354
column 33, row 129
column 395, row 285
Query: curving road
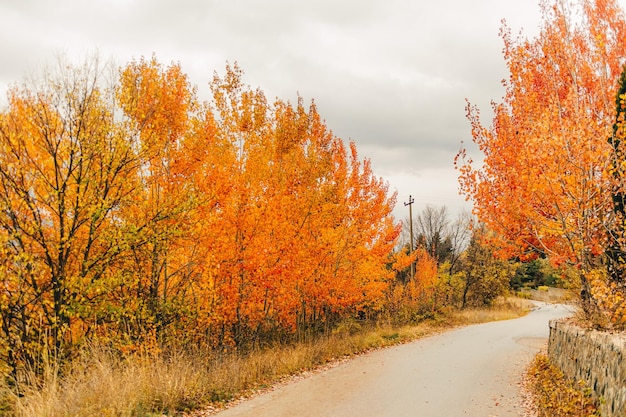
column 473, row 371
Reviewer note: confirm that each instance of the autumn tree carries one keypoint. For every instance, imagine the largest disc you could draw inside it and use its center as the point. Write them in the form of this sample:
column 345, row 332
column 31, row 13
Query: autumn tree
column 158, row 105
column 542, row 186
column 66, row 170
column 484, row 276
column 297, row 230
column 616, row 253
column 609, row 286
column 134, row 215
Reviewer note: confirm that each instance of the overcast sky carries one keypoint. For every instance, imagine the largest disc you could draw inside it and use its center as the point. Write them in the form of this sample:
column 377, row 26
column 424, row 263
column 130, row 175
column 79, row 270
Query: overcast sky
column 392, row 75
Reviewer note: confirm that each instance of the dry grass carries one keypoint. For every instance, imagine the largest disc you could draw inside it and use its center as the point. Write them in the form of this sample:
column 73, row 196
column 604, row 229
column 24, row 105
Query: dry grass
column 100, row 383
column 550, row 295
column 503, row 309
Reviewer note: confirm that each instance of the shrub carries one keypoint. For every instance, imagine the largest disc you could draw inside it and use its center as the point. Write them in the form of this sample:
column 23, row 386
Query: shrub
column 555, row 396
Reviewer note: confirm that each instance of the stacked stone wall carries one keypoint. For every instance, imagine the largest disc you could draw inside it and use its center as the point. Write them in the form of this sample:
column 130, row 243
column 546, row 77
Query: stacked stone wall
column 598, row 358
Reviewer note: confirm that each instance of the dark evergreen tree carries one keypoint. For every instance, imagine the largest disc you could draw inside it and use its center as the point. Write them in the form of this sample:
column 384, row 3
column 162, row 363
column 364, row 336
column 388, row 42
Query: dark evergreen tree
column 616, row 251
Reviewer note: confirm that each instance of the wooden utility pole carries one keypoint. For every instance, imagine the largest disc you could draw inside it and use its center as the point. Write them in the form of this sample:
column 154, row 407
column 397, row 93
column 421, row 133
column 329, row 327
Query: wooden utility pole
column 410, row 204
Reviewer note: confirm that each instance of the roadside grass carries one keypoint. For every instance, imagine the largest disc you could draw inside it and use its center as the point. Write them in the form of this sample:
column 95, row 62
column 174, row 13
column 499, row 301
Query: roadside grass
column 101, row 383
column 549, row 294
column 553, row 395
column 504, row 309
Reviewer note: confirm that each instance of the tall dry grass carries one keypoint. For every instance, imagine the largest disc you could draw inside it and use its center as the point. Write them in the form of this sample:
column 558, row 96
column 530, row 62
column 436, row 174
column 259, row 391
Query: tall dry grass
column 503, row 309
column 101, row 383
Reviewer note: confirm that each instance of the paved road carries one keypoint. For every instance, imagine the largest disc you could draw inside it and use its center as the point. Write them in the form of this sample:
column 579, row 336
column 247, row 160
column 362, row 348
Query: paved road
column 473, row 371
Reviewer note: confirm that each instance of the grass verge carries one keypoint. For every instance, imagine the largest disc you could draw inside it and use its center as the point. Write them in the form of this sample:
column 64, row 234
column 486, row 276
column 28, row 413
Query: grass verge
column 100, row 383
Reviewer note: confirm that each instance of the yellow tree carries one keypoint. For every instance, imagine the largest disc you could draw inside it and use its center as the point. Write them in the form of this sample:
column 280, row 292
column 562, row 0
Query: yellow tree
column 66, row 169
column 159, row 106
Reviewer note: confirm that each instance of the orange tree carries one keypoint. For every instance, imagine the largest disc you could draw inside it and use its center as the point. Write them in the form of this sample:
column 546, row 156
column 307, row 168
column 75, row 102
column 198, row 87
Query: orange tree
column 134, row 213
column 296, row 230
column 543, row 185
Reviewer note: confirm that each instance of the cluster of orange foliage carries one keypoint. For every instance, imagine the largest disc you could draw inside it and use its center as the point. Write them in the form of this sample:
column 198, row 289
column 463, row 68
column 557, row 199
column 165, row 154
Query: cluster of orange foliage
column 545, row 186
column 138, row 210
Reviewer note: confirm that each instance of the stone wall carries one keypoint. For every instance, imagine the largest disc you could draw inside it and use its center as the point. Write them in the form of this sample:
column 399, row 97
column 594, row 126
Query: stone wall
column 599, row 358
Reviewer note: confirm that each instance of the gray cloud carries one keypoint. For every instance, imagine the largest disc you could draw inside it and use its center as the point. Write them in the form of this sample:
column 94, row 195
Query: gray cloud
column 392, row 75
